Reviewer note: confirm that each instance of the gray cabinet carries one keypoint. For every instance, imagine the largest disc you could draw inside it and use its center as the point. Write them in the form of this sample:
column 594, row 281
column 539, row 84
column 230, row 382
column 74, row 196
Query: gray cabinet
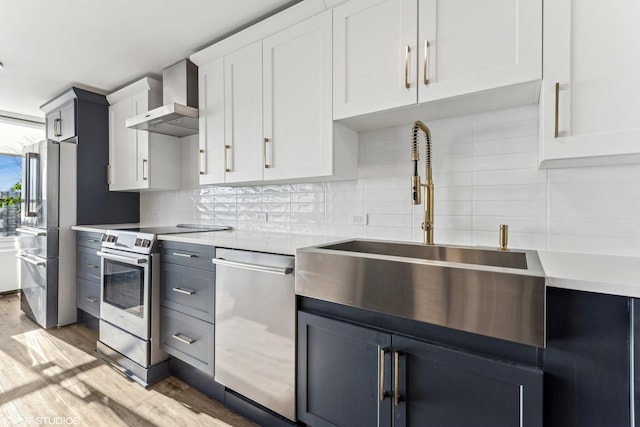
column 187, row 303
column 88, row 273
column 351, row 375
column 61, row 122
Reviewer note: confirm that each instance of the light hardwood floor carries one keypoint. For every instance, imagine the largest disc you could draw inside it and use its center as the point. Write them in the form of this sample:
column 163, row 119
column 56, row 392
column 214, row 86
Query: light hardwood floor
column 53, row 377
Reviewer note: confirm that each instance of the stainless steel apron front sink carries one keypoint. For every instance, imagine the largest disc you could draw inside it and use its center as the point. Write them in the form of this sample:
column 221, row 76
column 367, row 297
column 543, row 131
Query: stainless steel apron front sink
column 500, row 294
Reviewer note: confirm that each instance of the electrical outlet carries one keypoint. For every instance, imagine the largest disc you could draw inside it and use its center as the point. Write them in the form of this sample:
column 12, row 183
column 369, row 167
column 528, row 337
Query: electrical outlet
column 261, row 216
column 358, row 219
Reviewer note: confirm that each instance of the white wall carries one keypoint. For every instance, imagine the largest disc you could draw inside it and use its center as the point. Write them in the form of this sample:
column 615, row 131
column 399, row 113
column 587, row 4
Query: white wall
column 485, row 174
column 9, row 265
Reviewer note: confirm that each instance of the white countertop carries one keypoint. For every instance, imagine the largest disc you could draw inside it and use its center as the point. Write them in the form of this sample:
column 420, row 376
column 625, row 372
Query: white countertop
column 607, row 274
column 101, row 228
column 279, row 243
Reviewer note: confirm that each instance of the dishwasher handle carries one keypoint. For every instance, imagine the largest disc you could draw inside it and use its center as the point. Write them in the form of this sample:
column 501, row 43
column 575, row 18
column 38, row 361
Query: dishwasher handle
column 254, row 267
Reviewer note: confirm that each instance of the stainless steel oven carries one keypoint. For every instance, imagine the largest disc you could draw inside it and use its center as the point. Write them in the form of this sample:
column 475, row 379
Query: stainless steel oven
column 130, row 301
column 126, row 291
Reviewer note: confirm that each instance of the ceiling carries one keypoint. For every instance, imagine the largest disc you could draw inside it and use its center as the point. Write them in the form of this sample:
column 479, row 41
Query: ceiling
column 48, row 46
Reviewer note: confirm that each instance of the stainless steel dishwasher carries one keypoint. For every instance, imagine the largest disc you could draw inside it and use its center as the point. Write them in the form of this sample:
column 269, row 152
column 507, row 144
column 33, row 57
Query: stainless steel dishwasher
column 255, row 327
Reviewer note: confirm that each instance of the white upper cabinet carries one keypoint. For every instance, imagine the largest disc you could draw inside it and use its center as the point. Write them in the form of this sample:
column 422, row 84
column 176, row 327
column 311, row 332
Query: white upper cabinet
column 590, row 106
column 140, row 160
column 374, row 56
column 211, row 152
column 467, row 46
column 266, row 111
column 61, row 122
column 297, row 120
column 243, row 150
column 395, row 53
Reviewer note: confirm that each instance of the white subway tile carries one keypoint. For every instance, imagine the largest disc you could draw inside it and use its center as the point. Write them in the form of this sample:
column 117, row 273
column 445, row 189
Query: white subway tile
column 307, row 188
column 590, row 209
column 275, row 207
column 509, row 161
column 276, row 197
column 449, row 222
column 382, row 220
column 525, row 144
column 252, row 207
column 510, row 192
column 453, row 194
column 402, row 194
column 496, row 118
column 457, row 179
column 278, row 217
column 595, row 191
column 249, row 190
column 307, row 197
column 276, row 227
column 612, row 227
column 464, row 208
column 346, row 231
column 399, row 208
column 221, row 190
column 594, row 244
column 312, row 229
column 312, row 208
column 348, row 186
column 509, row 208
column 517, row 224
column 506, row 130
column 272, row 188
column 307, row 218
column 617, row 173
column 387, row 233
column 514, row 176
column 516, row 240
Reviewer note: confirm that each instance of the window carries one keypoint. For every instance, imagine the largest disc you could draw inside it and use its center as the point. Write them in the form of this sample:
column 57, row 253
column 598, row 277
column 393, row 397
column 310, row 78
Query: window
column 15, row 134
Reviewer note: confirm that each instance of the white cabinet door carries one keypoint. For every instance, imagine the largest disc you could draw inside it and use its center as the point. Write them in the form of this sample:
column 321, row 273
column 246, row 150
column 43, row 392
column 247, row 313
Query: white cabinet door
column 211, row 139
column 591, row 53
column 374, row 56
column 243, row 152
column 297, row 101
column 122, row 147
column 468, row 46
column 141, row 143
column 67, row 121
column 140, row 160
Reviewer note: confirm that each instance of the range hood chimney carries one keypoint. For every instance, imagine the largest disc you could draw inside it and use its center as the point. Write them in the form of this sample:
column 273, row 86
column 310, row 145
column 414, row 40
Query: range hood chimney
column 178, row 115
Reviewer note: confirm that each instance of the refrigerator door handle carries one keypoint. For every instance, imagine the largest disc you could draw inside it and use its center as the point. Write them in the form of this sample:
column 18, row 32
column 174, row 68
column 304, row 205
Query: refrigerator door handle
column 31, row 169
column 37, row 233
column 36, row 262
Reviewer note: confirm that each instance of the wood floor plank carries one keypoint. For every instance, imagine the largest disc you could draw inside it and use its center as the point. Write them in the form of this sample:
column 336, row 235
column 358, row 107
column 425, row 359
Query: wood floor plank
column 54, row 376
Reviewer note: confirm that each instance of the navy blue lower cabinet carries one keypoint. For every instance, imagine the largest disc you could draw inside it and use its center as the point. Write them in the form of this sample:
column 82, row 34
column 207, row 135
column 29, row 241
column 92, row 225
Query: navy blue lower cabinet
column 441, row 387
column 351, row 375
column 339, row 373
column 587, row 360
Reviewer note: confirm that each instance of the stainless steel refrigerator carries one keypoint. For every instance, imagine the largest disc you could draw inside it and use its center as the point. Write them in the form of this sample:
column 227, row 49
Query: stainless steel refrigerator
column 46, row 242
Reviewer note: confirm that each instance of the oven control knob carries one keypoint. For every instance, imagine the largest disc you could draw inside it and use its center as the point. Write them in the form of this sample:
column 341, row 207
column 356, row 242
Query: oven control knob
column 146, row 243
column 111, row 238
column 138, row 242
column 104, row 237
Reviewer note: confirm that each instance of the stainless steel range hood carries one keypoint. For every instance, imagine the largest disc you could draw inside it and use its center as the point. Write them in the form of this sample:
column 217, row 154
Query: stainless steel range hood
column 179, row 114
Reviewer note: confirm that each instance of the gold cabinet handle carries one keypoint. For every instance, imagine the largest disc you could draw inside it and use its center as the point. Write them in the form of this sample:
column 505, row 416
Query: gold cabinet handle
column 109, row 174
column 557, row 116
column 226, row 150
column 200, row 162
column 396, row 388
column 426, row 63
column 383, row 392
column 144, row 175
column 406, row 66
column 266, row 162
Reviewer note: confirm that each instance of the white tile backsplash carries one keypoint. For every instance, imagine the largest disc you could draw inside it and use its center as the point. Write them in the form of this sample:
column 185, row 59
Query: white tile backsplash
column 485, row 174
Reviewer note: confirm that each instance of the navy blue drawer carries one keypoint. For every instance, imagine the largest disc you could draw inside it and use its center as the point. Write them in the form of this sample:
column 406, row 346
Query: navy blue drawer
column 188, row 255
column 188, row 290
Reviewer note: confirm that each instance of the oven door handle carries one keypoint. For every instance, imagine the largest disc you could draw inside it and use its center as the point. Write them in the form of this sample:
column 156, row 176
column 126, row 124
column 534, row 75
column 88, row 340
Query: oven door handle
column 126, row 259
column 254, row 267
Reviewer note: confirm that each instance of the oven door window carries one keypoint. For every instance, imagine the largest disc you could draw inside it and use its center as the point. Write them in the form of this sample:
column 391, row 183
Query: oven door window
column 124, row 286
